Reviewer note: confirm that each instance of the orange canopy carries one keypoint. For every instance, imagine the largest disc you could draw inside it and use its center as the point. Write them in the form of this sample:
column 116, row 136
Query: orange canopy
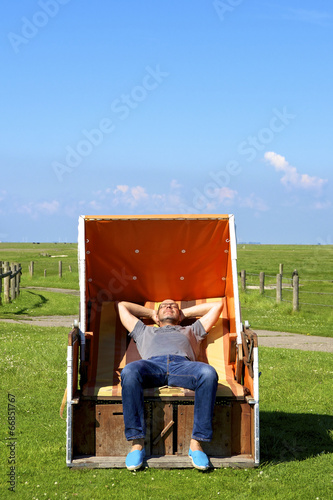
column 157, row 257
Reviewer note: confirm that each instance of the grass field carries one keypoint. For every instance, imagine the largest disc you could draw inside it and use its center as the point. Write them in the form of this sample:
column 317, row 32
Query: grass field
column 296, row 432
column 296, row 415
column 313, row 262
column 34, row 302
column 45, row 256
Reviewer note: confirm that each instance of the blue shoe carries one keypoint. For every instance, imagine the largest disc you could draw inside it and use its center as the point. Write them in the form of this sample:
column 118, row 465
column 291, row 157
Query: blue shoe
column 134, row 459
column 199, row 459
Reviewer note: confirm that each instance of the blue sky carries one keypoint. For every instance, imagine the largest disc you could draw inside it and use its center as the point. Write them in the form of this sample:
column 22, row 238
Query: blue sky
column 155, row 107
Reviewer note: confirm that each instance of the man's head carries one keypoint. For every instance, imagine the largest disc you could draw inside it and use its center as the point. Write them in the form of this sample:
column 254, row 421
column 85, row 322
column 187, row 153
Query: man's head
column 168, row 313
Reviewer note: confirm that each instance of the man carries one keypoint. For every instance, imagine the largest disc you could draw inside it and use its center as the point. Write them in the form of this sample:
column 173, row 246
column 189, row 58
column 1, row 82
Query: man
column 168, row 355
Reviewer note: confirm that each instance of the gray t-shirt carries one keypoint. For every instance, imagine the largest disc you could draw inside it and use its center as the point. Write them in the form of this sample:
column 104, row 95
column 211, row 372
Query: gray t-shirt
column 170, row 339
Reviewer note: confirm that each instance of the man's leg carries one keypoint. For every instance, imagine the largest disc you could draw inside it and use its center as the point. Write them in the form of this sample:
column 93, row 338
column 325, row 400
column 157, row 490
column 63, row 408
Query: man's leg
column 205, row 394
column 135, row 377
column 202, row 378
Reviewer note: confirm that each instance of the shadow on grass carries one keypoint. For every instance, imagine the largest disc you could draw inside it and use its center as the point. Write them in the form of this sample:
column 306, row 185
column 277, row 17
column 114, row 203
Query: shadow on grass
column 40, row 301
column 290, row 436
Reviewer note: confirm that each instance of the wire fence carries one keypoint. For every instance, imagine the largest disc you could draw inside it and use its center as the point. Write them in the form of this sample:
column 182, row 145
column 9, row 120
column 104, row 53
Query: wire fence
column 295, row 290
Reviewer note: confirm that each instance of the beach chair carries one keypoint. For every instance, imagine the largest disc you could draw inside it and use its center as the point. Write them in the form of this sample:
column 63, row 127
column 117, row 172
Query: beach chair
column 146, row 259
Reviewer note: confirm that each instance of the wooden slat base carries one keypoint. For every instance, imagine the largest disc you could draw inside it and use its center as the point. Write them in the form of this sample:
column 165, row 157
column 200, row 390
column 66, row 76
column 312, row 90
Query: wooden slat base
column 161, row 462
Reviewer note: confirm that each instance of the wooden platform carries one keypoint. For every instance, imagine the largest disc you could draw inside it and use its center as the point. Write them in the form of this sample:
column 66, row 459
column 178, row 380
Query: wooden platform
column 161, row 462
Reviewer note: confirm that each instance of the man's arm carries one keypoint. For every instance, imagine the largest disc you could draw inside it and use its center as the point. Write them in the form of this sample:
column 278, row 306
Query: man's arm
column 130, row 312
column 209, row 313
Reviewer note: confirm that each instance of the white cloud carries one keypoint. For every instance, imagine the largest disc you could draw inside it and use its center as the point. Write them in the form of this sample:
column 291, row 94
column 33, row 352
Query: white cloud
column 121, row 189
column 42, row 208
column 254, row 203
column 225, row 193
column 48, row 207
column 138, row 193
column 95, row 205
column 130, row 196
column 213, row 197
column 174, row 184
column 322, row 205
column 291, row 177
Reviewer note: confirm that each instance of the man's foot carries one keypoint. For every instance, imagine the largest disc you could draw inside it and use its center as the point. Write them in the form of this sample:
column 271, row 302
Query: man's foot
column 199, row 458
column 195, row 445
column 134, row 459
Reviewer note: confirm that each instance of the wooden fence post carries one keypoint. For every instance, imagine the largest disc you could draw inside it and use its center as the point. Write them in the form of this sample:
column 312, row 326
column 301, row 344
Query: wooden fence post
column 6, row 283
column 17, row 280
column 13, row 268
column 11, row 276
column 31, row 268
column 1, row 271
column 243, row 279
column 278, row 288
column 60, row 269
column 295, row 292
column 281, row 269
column 262, row 282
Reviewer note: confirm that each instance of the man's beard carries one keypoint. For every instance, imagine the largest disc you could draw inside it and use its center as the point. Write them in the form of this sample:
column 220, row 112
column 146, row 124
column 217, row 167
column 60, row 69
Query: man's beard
column 169, row 319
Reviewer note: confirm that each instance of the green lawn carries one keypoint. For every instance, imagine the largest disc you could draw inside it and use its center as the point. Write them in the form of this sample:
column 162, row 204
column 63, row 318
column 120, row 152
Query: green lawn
column 265, row 314
column 313, row 262
column 295, row 393
column 45, row 256
column 32, row 302
column 296, row 431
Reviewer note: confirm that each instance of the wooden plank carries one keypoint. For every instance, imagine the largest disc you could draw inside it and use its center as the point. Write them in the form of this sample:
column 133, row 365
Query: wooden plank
column 241, row 433
column 110, row 434
column 166, row 462
column 162, row 416
column 84, row 428
column 110, row 437
column 221, row 442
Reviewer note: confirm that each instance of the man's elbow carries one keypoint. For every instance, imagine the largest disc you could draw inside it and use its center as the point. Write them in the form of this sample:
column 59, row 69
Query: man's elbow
column 218, row 306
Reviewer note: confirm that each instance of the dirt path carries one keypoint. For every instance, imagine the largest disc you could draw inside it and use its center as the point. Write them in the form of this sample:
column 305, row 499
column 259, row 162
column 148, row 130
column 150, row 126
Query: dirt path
column 294, row 341
column 56, row 290
column 61, row 321
column 266, row 338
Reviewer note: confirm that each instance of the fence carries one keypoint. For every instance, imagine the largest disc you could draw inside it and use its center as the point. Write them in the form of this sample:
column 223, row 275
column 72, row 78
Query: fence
column 11, row 275
column 32, row 269
column 283, row 286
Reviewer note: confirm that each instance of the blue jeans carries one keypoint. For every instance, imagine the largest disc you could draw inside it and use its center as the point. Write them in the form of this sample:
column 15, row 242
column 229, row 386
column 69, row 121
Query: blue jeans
column 171, row 370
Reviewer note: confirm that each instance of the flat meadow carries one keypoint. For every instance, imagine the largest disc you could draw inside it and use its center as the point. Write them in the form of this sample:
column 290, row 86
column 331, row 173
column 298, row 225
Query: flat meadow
column 314, row 264
column 296, row 413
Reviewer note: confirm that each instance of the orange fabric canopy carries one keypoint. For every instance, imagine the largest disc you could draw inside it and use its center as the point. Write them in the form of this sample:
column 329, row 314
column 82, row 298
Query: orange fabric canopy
column 154, row 257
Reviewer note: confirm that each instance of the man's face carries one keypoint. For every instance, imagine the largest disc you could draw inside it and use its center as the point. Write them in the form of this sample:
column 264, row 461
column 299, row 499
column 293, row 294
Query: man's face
column 168, row 312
